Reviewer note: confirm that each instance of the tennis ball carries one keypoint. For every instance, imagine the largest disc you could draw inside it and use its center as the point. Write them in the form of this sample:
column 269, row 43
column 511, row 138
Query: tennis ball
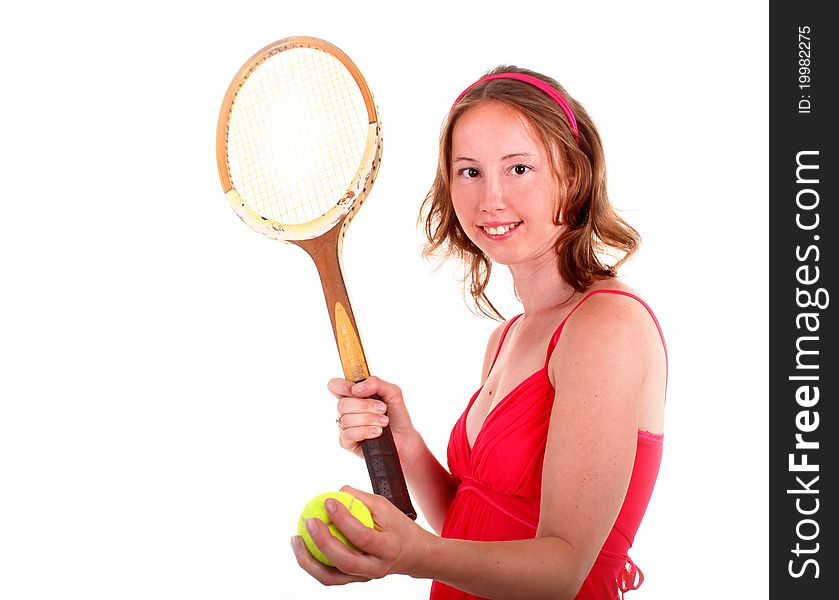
column 315, row 508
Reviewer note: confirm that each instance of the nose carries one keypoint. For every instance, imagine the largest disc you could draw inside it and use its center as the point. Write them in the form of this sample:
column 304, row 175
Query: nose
column 492, row 199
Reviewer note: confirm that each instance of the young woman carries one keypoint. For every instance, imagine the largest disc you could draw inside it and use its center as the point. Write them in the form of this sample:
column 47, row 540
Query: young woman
column 553, row 462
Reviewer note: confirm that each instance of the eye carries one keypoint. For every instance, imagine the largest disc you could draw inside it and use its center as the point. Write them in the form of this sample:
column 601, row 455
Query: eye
column 521, row 169
column 469, row 172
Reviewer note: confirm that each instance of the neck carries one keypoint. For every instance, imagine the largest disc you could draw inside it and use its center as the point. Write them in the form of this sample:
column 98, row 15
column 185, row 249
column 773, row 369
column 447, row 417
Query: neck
column 540, row 286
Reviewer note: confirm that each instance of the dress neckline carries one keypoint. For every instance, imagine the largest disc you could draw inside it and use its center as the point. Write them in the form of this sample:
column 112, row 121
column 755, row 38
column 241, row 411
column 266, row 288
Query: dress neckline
column 642, row 434
column 492, row 411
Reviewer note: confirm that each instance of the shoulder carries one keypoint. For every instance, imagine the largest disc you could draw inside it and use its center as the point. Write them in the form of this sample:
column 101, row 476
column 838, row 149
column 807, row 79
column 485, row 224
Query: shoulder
column 611, row 324
column 607, row 311
column 610, row 305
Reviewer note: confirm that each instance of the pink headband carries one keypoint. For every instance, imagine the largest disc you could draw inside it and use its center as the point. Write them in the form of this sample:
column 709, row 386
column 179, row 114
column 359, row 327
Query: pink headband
column 535, row 81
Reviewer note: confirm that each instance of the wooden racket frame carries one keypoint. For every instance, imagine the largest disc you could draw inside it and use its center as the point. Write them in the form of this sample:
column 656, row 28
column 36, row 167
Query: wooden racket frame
column 325, row 248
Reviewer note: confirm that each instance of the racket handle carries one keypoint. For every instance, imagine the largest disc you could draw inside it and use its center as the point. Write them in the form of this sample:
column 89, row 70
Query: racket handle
column 386, row 472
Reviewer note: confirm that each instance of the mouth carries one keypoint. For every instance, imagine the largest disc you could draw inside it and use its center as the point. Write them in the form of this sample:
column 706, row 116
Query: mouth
column 498, row 232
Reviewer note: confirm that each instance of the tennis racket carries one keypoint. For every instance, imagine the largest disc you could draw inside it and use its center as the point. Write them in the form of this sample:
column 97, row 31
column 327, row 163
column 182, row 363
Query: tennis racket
column 298, row 146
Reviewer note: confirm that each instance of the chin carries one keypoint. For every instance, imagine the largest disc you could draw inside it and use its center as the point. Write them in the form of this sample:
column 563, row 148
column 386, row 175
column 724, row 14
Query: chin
column 504, row 259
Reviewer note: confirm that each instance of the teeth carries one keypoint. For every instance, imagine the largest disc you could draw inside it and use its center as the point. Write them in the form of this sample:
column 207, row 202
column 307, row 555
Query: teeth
column 499, row 230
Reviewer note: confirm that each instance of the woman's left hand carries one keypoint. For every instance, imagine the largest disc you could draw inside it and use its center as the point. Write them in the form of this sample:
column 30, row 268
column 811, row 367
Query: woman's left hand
column 395, row 545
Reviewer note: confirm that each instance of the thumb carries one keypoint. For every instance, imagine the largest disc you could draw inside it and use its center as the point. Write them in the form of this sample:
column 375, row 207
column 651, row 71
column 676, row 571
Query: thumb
column 376, row 386
column 377, row 505
column 390, row 393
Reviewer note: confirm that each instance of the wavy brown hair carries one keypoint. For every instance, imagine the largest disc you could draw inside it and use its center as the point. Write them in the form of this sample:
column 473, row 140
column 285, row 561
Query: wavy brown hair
column 593, row 226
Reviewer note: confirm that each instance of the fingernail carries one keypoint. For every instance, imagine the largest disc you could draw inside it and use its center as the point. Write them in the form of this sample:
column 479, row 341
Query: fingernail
column 330, row 505
column 310, row 526
column 380, row 407
column 359, row 387
column 381, row 420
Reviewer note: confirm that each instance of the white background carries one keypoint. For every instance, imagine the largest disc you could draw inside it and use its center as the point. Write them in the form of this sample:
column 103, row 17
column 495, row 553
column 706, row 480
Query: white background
column 164, row 414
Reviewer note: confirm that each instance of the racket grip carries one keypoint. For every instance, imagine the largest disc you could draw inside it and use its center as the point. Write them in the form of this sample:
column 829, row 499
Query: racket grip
column 386, row 471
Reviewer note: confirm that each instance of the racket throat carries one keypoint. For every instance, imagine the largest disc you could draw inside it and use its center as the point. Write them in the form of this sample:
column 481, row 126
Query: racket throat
column 325, row 252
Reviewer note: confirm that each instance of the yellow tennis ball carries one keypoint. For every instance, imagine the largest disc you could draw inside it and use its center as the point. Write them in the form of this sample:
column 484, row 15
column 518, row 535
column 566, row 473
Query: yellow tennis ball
column 315, row 508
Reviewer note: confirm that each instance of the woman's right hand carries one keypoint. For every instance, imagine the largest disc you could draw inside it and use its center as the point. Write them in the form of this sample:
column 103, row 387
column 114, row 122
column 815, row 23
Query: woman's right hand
column 361, row 417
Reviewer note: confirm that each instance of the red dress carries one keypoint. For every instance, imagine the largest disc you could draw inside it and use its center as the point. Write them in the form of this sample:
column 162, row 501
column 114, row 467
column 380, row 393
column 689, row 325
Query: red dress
column 500, row 480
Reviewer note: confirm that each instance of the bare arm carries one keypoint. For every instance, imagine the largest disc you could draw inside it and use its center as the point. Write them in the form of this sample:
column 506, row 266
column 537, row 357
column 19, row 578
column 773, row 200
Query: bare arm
column 432, row 486
column 598, row 369
column 361, row 417
column 430, row 483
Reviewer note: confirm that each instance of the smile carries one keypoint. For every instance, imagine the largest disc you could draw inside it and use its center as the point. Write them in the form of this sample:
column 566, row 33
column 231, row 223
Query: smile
column 499, row 230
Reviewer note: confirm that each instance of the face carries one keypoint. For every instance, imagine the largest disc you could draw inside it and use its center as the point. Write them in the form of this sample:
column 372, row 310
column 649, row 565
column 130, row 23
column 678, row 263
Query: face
column 503, row 189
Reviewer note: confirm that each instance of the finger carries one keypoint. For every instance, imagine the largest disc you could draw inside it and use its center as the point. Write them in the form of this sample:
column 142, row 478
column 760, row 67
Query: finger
column 356, row 532
column 356, row 435
column 380, row 508
column 389, row 393
column 318, row 570
column 340, row 387
column 356, row 420
column 374, row 385
column 342, row 556
column 370, row 500
column 350, row 439
column 360, row 405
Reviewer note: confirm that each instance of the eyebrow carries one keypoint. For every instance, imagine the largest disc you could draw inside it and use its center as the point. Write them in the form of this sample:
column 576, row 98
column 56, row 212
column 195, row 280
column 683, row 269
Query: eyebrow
column 506, row 157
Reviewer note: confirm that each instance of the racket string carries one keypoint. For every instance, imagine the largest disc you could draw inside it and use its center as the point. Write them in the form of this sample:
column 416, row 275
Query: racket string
column 296, row 136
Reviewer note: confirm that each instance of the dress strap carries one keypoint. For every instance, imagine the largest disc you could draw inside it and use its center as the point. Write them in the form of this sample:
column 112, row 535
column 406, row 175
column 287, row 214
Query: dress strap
column 558, row 332
column 501, row 340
